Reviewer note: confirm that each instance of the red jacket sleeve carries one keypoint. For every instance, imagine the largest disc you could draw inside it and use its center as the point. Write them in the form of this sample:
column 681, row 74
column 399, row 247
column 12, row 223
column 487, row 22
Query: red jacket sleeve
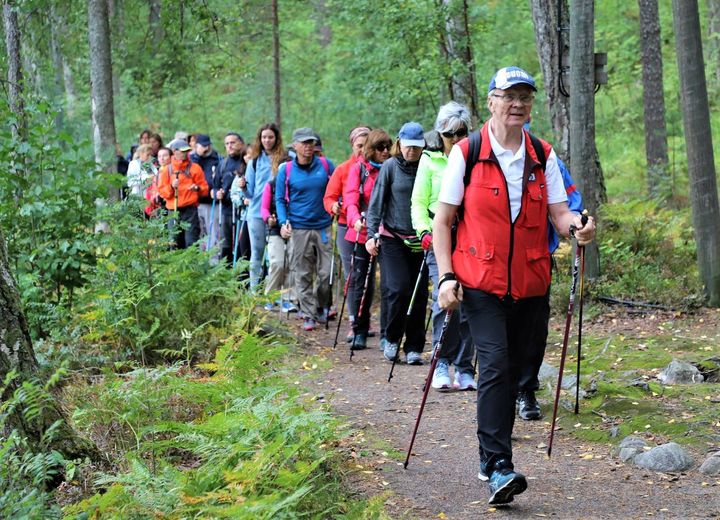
column 334, row 189
column 351, row 195
column 165, row 189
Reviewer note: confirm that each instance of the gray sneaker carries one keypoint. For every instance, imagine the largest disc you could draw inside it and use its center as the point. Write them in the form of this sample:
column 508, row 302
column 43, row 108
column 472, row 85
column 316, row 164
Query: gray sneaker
column 390, row 351
column 414, row 358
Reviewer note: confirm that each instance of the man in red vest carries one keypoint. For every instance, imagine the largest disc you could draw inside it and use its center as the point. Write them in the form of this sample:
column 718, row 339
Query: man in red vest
column 500, row 267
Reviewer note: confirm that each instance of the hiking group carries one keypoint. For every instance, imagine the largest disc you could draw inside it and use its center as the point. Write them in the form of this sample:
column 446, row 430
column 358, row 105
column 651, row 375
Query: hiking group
column 476, row 212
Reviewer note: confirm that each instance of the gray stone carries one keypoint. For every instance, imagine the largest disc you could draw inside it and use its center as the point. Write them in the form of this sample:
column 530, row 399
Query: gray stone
column 668, row 457
column 711, row 466
column 680, row 373
column 630, row 447
column 547, row 373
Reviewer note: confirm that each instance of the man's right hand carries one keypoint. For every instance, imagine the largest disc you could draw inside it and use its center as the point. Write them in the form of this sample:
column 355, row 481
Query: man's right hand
column 175, row 183
column 371, row 246
column 450, row 294
column 286, row 230
column 336, row 208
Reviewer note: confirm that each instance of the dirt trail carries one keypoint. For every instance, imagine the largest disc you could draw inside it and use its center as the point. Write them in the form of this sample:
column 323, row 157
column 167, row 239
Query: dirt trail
column 582, row 480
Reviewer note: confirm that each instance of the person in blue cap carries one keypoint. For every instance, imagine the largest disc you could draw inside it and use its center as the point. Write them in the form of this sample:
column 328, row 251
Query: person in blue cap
column 390, row 232
column 500, row 266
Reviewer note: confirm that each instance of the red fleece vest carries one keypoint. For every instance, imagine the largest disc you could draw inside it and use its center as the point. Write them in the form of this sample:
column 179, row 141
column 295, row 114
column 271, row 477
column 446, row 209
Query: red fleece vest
column 494, row 254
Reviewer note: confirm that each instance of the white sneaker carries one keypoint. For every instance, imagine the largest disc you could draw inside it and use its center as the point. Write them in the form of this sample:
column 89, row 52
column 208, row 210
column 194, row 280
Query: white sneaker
column 390, row 351
column 464, row 381
column 441, row 378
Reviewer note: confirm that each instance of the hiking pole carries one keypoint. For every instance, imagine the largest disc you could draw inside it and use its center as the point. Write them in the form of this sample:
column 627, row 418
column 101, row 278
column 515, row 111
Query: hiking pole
column 433, row 363
column 568, row 319
column 332, row 271
column 238, row 228
column 370, row 269
column 347, row 284
column 409, row 311
column 580, row 322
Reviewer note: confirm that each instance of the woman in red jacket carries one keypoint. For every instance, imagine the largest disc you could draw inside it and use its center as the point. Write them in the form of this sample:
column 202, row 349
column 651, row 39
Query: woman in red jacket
column 356, row 196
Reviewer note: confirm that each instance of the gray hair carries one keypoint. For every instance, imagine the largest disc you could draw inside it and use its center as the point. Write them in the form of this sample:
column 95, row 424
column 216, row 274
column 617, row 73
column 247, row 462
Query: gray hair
column 451, row 116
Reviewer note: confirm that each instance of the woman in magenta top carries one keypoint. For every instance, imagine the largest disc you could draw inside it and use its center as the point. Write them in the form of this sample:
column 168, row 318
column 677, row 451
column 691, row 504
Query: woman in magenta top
column 356, row 196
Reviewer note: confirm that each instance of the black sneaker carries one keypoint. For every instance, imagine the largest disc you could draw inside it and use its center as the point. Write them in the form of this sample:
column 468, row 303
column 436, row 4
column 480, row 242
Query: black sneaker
column 504, row 484
column 528, row 407
column 359, row 342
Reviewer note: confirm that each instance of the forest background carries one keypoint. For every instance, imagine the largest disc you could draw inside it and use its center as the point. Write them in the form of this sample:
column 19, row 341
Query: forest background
column 104, row 304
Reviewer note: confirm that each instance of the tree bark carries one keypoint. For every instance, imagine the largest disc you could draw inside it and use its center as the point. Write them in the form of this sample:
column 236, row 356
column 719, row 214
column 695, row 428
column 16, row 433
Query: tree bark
column 656, row 148
column 458, row 52
column 276, row 63
column 547, row 42
column 17, row 355
column 15, row 71
column 698, row 142
column 155, row 22
column 585, row 162
column 101, row 86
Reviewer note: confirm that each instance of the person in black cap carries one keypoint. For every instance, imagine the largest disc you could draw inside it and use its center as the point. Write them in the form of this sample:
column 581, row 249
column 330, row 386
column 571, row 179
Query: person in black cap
column 209, row 160
column 500, row 265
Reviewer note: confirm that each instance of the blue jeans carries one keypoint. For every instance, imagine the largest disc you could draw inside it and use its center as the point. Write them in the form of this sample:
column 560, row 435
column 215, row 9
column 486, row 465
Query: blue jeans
column 258, row 233
column 457, row 348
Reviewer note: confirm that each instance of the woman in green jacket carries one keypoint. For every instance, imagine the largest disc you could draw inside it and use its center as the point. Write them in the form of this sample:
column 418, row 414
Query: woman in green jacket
column 452, row 124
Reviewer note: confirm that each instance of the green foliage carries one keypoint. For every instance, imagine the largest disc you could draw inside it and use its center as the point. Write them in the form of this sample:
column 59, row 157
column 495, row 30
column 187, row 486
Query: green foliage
column 144, row 300
column 648, row 254
column 238, row 443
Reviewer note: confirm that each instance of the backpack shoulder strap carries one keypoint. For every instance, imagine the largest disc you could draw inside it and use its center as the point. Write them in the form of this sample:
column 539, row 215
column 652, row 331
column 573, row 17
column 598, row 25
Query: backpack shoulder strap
column 539, row 150
column 254, row 162
column 288, row 168
column 472, row 156
column 325, row 164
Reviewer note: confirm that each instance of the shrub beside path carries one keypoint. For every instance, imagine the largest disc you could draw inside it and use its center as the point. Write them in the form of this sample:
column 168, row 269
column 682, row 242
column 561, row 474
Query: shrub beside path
column 582, row 480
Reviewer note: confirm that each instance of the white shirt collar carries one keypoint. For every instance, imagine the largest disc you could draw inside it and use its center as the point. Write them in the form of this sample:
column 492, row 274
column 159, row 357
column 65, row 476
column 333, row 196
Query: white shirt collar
column 499, row 150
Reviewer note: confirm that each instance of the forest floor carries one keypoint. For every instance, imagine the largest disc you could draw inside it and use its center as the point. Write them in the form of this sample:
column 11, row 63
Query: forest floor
column 583, row 479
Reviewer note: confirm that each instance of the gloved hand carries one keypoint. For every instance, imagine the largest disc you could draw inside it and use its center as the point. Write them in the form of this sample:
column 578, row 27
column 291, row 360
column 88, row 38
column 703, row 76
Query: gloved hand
column 413, row 243
column 426, row 240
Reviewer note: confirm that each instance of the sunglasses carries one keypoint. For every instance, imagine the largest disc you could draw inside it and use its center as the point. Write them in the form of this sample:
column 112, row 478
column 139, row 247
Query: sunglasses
column 460, row 132
column 382, row 147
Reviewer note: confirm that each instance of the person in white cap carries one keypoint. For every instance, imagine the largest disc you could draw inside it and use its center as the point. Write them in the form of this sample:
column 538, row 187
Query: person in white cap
column 500, row 266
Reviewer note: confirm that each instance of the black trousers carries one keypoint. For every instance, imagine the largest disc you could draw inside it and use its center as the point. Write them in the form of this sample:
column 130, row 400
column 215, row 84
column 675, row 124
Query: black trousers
column 361, row 264
column 191, row 234
column 538, row 341
column 501, row 330
column 399, row 269
column 228, row 233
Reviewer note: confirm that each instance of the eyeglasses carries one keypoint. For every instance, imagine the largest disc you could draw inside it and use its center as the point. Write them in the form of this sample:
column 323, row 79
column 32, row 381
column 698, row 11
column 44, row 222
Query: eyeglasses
column 459, row 133
column 525, row 99
column 382, row 147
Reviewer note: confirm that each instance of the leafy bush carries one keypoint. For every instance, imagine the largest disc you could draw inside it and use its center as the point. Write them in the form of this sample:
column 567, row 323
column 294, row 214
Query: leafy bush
column 144, row 300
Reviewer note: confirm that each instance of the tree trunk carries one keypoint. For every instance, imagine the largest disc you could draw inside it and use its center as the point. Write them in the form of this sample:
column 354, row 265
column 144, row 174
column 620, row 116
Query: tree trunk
column 698, row 142
column 276, row 62
column 155, row 22
column 585, row 162
column 547, row 42
column 656, row 149
column 58, row 65
column 15, row 71
column 17, row 355
column 101, row 86
column 463, row 87
column 714, row 36
column 115, row 36
column 321, row 23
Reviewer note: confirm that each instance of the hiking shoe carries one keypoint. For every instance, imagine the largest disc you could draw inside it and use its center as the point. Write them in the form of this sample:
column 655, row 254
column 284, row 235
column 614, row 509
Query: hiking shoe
column 528, row 407
column 390, row 350
column 269, row 306
column 464, row 381
column 288, row 307
column 350, row 335
column 383, row 344
column 483, row 472
column 505, row 484
column 413, row 358
column 359, row 342
column 331, row 313
column 309, row 324
column 441, row 377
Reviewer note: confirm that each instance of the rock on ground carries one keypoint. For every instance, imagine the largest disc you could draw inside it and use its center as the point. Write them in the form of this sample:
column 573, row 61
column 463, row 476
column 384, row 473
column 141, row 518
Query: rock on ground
column 711, row 466
column 668, row 457
column 680, row 373
column 630, row 447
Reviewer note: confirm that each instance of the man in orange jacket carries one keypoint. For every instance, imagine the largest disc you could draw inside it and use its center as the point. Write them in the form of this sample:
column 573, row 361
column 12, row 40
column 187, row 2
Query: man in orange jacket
column 181, row 183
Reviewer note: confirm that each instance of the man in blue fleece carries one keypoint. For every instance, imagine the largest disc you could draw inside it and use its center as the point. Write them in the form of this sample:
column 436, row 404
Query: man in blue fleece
column 299, row 191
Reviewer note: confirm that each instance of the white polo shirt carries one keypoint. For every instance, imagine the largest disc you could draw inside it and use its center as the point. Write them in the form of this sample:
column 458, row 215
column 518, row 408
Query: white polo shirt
column 512, row 165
